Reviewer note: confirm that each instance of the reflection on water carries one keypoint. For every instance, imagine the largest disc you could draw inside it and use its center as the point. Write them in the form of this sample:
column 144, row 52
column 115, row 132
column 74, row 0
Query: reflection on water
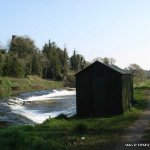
column 40, row 105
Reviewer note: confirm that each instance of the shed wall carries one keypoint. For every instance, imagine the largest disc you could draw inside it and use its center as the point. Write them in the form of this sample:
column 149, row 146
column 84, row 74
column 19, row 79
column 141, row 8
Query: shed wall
column 127, row 91
column 94, row 105
column 83, row 94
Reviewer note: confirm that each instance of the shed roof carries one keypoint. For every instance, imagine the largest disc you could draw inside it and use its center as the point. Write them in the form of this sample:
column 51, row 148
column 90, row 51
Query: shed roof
column 122, row 71
column 113, row 67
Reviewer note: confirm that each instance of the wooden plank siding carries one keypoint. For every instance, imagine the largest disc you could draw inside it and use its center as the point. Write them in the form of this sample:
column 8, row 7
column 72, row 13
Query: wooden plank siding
column 127, row 91
column 102, row 91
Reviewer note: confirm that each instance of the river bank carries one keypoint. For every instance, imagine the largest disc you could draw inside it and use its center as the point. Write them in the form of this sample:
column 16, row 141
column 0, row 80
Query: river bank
column 11, row 86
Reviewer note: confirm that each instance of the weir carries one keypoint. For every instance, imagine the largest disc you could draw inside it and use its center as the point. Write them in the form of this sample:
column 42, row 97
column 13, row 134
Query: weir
column 40, row 105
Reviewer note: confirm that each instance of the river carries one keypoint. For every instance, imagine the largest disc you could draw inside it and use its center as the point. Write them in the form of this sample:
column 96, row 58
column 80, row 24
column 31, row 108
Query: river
column 36, row 107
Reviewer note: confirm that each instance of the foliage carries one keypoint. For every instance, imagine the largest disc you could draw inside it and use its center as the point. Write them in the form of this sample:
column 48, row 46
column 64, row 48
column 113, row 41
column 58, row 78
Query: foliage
column 77, row 62
column 23, row 58
column 70, row 81
column 65, row 64
column 137, row 72
column 22, row 46
column 54, row 65
column 2, row 59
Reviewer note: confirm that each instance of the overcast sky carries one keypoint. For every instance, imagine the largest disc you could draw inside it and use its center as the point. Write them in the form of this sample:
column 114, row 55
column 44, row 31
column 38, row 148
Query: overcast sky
column 95, row 28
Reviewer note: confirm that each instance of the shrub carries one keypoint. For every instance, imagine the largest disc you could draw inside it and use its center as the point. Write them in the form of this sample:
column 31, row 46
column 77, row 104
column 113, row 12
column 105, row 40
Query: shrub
column 70, row 81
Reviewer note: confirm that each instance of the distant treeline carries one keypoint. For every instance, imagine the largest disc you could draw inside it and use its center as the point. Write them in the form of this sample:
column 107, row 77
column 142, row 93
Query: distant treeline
column 23, row 58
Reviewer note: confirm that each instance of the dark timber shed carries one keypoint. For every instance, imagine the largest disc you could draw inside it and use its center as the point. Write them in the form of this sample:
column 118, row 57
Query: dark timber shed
column 103, row 90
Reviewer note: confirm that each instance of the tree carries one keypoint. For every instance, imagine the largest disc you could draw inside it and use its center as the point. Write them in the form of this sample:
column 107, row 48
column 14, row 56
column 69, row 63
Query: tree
column 72, row 61
column 112, row 61
column 36, row 65
column 54, row 62
column 65, row 66
column 7, row 65
column 24, row 58
column 77, row 62
column 135, row 69
column 2, row 60
column 106, row 60
column 22, row 46
column 82, row 62
column 28, row 65
column 17, row 68
column 47, row 48
column 137, row 72
column 13, row 66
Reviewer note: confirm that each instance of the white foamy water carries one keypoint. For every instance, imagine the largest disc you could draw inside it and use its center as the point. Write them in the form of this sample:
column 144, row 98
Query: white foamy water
column 39, row 117
column 55, row 94
column 50, row 104
column 52, row 95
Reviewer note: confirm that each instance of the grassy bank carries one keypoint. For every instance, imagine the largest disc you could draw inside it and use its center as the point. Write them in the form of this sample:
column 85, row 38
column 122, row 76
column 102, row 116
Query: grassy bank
column 73, row 134
column 146, row 136
column 10, row 86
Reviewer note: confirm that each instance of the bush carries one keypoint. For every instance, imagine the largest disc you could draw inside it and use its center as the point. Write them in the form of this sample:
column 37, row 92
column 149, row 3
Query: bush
column 70, row 81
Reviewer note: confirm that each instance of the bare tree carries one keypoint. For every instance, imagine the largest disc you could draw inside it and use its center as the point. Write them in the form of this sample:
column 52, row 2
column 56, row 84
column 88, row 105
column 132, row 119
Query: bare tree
column 137, row 72
column 105, row 60
column 112, row 61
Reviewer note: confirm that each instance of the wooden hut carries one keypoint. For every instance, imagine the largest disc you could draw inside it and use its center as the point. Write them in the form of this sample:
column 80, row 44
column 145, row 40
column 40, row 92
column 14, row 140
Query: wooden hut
column 103, row 90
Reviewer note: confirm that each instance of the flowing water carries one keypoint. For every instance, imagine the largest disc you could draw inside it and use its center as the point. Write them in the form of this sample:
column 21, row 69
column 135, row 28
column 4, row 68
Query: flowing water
column 36, row 107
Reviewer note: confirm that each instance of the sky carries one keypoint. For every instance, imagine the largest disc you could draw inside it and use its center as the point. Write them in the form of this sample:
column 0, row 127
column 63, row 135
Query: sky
column 94, row 28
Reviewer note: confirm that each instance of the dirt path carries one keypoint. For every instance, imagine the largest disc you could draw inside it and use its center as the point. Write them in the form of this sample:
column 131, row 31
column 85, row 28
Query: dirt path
column 134, row 133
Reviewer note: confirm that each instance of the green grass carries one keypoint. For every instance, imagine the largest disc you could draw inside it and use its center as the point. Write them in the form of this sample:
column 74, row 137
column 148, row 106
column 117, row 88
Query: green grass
column 31, row 83
column 146, row 136
column 73, row 134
